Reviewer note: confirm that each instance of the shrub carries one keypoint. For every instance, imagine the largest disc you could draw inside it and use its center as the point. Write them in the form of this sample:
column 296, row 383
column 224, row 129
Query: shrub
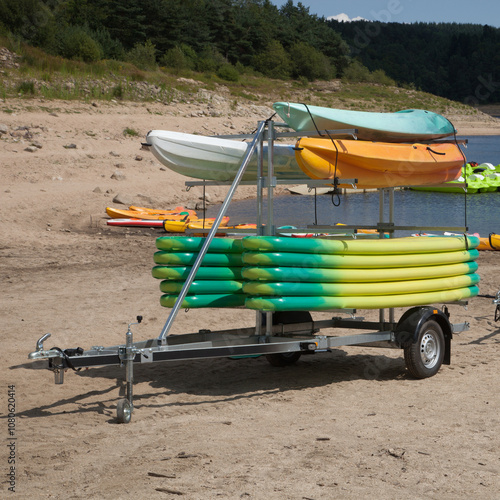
column 209, row 60
column 117, row 92
column 111, row 48
column 228, row 72
column 177, row 59
column 379, row 76
column 274, row 62
column 75, row 43
column 143, row 56
column 310, row 63
column 26, row 87
column 356, row 72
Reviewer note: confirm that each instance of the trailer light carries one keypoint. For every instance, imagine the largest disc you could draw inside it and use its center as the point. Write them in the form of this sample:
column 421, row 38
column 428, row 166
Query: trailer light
column 309, row 346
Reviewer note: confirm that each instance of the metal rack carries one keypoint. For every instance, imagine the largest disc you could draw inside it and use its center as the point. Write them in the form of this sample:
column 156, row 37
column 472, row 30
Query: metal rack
column 423, row 332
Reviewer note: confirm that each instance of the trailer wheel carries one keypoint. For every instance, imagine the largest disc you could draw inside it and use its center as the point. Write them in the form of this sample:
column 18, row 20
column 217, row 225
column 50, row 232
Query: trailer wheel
column 283, row 358
column 123, row 411
column 287, row 318
column 424, row 357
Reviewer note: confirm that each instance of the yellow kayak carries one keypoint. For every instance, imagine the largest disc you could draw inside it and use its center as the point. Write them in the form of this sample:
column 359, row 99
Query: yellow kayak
column 180, row 226
column 490, row 243
column 117, row 213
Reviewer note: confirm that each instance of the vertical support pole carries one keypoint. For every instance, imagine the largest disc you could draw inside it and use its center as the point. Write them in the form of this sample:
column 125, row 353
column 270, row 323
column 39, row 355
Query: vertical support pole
column 381, row 201
column 270, row 204
column 129, row 368
column 381, row 219
column 391, row 205
column 260, row 216
column 260, row 187
column 270, row 179
column 391, row 220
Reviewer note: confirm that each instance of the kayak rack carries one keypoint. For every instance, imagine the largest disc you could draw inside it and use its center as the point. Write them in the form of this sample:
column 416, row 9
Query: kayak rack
column 424, row 333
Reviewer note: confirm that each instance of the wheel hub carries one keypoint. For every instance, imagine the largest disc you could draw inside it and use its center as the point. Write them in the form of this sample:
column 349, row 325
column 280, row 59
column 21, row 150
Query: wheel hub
column 429, row 350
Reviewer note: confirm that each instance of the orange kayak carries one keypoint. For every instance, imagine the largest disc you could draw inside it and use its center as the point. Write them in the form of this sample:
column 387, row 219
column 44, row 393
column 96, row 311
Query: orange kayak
column 379, row 164
column 116, row 213
column 490, row 243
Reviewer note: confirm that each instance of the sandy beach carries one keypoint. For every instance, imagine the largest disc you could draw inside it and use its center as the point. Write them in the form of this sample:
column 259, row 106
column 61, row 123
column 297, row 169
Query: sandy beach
column 346, row 424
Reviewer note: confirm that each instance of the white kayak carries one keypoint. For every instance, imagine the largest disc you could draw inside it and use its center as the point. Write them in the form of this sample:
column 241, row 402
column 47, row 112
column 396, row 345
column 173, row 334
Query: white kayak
column 214, row 158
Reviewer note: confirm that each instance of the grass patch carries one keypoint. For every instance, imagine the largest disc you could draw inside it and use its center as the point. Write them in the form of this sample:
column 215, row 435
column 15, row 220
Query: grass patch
column 130, row 132
column 244, row 95
column 26, row 87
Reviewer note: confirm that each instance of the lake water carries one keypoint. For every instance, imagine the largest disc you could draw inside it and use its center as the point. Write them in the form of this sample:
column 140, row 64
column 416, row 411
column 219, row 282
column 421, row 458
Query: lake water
column 482, row 148
column 479, row 212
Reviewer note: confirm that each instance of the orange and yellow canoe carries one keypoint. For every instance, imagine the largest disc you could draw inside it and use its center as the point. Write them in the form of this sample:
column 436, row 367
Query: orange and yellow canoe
column 492, row 242
column 117, row 213
column 379, row 164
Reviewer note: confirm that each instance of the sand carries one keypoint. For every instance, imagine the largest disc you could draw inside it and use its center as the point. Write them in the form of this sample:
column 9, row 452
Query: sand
column 346, row 424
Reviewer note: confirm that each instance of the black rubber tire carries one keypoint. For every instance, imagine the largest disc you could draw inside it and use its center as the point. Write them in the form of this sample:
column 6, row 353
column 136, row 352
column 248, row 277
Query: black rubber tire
column 123, row 411
column 283, row 358
column 286, row 318
column 424, row 357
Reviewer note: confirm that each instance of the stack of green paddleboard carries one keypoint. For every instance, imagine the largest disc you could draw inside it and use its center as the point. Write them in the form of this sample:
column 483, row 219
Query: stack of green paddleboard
column 218, row 282
column 314, row 274
column 287, row 274
column 483, row 178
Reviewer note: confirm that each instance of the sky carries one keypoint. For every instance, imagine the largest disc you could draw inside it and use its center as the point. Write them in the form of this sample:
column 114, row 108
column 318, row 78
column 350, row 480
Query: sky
column 408, row 11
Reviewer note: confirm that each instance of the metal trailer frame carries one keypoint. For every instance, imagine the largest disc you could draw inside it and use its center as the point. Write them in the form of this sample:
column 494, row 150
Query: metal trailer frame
column 423, row 332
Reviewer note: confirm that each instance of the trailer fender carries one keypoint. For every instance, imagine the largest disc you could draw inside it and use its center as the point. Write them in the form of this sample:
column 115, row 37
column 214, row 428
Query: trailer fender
column 413, row 320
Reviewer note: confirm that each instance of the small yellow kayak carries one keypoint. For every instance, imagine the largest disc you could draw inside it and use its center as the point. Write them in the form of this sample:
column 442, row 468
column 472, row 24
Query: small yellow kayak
column 492, row 242
column 117, row 213
column 180, row 226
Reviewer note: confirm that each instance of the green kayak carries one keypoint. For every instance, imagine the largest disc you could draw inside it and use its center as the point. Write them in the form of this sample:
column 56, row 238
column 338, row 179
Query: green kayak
column 409, row 125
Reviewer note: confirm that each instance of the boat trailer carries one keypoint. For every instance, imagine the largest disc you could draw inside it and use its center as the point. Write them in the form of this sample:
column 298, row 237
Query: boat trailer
column 424, row 333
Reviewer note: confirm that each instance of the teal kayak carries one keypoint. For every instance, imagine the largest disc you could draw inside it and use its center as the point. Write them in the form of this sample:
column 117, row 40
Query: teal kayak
column 409, row 125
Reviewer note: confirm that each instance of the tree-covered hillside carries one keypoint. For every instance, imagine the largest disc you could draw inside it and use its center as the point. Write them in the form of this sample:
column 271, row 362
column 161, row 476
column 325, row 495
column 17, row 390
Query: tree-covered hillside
column 233, row 37
column 201, row 34
column 457, row 61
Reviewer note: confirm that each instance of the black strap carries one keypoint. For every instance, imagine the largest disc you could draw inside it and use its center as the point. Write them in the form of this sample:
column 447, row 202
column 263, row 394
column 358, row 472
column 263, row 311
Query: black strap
column 435, row 152
column 491, row 242
column 336, row 191
column 66, row 356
